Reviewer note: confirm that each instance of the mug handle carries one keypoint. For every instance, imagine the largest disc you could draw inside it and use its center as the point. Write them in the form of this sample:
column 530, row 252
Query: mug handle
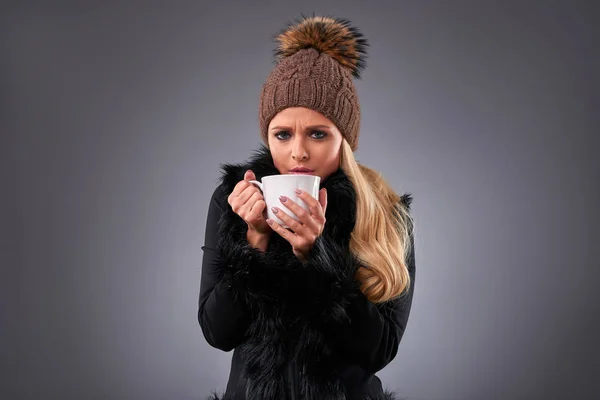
column 257, row 183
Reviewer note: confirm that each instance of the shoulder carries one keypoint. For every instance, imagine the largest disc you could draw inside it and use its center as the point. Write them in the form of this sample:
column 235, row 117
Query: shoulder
column 404, row 206
column 219, row 196
column 406, row 200
column 260, row 162
column 230, row 174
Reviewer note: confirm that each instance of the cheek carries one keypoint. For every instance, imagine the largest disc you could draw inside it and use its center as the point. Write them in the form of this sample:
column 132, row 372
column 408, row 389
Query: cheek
column 278, row 159
column 278, row 165
column 331, row 159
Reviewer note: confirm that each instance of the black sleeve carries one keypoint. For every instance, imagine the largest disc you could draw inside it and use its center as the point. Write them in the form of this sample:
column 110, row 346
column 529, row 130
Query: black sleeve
column 222, row 314
column 260, row 279
column 372, row 333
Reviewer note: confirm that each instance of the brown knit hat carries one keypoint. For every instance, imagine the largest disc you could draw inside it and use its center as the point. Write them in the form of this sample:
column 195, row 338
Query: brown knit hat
column 317, row 58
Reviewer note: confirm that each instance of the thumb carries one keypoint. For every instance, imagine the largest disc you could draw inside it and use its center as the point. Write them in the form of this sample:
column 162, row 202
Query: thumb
column 323, row 199
column 249, row 176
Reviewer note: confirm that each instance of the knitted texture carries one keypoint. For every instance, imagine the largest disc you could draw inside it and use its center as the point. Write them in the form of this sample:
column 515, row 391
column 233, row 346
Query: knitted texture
column 316, row 80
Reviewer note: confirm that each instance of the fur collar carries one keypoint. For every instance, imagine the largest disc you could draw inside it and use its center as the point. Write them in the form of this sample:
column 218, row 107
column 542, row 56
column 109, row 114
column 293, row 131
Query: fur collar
column 291, row 303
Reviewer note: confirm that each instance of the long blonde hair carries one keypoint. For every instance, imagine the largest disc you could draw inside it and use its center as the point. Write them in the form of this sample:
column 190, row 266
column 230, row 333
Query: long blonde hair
column 381, row 236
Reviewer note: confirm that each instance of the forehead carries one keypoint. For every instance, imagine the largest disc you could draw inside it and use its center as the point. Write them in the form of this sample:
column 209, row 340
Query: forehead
column 300, row 115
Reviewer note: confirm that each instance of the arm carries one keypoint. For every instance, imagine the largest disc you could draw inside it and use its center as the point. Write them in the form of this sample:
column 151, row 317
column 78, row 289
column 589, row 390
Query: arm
column 372, row 333
column 239, row 275
column 222, row 315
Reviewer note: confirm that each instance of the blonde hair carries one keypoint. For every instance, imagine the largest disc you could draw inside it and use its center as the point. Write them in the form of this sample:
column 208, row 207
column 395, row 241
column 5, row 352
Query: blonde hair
column 381, row 236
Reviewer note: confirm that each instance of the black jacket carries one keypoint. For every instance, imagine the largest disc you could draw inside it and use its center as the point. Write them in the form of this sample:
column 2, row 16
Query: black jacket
column 298, row 331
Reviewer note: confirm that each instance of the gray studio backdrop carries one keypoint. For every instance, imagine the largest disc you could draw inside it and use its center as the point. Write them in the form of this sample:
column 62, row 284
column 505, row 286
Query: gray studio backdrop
column 116, row 116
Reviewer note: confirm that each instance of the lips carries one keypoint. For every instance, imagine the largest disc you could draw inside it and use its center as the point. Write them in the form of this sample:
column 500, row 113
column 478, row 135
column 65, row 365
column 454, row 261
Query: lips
column 301, row 170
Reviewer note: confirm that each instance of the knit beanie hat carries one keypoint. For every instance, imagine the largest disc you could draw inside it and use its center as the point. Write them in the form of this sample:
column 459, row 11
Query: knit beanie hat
column 316, row 61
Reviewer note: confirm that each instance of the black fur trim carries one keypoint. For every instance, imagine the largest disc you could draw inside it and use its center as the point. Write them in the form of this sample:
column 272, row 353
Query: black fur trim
column 266, row 278
column 291, row 302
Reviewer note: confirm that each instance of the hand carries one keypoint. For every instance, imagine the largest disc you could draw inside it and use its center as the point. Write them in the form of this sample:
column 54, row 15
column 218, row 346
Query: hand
column 247, row 201
column 310, row 226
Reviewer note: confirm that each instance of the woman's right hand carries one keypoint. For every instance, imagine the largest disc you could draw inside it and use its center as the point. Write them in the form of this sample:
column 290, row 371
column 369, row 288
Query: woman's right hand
column 248, row 202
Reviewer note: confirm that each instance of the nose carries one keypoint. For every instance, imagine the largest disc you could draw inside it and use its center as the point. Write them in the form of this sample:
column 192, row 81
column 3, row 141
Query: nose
column 299, row 150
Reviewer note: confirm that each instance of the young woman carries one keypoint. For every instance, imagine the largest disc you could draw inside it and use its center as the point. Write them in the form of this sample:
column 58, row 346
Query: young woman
column 315, row 310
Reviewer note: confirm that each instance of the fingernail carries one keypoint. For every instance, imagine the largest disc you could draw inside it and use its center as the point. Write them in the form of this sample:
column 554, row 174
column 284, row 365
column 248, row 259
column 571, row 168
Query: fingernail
column 283, row 199
column 269, row 221
column 275, row 210
column 298, row 191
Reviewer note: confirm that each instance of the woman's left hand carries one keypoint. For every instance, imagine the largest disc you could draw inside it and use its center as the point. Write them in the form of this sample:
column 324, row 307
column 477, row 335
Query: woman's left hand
column 304, row 232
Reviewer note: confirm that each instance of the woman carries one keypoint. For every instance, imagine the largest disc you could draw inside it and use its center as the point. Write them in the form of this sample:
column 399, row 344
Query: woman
column 313, row 311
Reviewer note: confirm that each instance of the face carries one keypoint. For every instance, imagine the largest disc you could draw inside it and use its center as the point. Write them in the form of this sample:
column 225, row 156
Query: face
column 301, row 137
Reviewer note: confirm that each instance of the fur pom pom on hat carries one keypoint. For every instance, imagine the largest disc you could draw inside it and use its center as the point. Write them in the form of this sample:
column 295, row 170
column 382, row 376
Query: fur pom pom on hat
column 316, row 59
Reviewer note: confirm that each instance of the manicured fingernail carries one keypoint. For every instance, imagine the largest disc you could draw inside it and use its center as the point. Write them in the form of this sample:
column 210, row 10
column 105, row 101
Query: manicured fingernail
column 269, row 221
column 275, row 210
column 298, row 191
column 283, row 199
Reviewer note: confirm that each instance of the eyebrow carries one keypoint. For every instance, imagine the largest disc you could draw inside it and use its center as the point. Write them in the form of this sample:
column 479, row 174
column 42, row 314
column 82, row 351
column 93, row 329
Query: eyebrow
column 307, row 128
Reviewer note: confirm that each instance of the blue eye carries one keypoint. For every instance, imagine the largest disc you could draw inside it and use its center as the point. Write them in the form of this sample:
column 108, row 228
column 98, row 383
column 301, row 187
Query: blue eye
column 282, row 135
column 277, row 135
column 323, row 134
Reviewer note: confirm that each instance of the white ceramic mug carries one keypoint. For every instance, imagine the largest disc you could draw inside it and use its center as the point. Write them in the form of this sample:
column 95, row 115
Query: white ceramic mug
column 273, row 186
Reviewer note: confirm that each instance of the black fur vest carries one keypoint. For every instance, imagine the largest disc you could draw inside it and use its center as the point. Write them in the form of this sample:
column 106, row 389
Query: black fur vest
column 295, row 307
